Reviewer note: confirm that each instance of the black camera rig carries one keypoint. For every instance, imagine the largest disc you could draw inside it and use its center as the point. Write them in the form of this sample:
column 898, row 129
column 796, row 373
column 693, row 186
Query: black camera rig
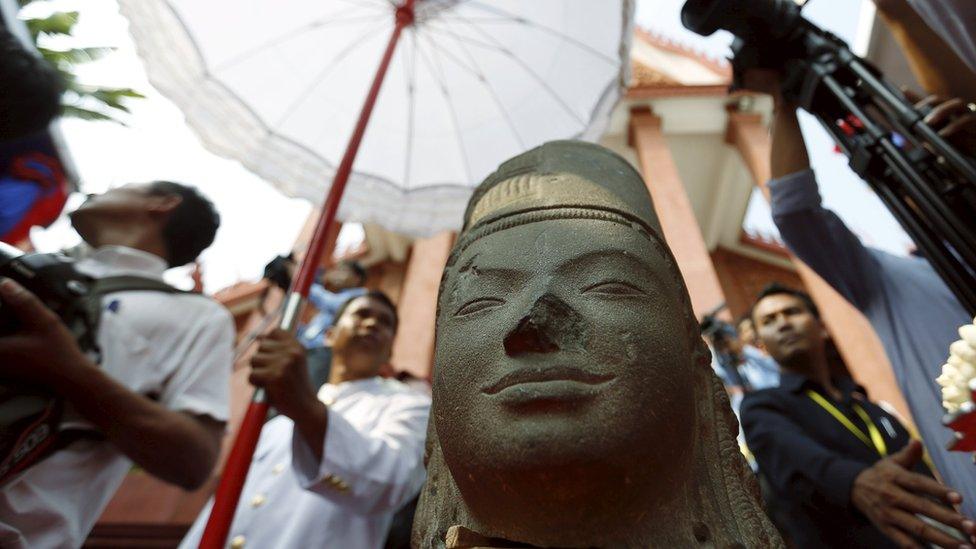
column 926, row 183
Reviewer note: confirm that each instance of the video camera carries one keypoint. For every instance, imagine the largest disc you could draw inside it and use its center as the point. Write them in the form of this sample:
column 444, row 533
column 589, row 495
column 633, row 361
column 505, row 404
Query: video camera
column 55, row 281
column 717, row 331
column 30, row 417
column 926, row 183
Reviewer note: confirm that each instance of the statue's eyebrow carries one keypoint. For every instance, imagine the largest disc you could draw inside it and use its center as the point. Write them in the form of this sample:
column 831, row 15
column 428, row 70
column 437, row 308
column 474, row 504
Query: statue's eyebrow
column 471, row 268
column 506, row 273
column 598, row 257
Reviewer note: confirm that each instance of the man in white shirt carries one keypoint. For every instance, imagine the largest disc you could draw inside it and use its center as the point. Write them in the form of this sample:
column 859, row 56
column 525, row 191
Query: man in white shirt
column 333, row 468
column 159, row 396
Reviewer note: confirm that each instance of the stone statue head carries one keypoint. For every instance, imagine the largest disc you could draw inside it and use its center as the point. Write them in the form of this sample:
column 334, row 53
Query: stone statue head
column 573, row 400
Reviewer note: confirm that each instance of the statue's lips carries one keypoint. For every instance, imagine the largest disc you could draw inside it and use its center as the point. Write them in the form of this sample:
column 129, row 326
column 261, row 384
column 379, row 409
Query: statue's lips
column 543, row 375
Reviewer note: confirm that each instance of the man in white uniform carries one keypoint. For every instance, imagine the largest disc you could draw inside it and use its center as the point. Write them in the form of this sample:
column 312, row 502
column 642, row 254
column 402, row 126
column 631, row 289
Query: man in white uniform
column 333, row 468
column 159, row 396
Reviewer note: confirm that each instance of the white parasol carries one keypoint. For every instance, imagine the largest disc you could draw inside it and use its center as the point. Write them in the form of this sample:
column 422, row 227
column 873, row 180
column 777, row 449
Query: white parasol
column 278, row 85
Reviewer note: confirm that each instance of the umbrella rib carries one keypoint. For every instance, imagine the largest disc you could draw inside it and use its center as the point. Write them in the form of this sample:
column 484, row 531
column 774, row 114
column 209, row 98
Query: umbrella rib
column 292, row 34
column 457, row 61
column 367, row 4
column 468, row 39
column 411, row 74
column 325, row 72
column 439, row 75
column 516, row 19
column 539, row 80
column 480, row 74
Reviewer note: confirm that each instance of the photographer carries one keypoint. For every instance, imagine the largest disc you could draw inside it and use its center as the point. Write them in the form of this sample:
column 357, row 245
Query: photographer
column 913, row 312
column 739, row 363
column 159, row 397
column 328, row 293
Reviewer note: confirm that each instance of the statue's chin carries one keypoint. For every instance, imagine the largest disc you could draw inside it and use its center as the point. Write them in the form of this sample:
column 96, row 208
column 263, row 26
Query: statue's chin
column 580, row 501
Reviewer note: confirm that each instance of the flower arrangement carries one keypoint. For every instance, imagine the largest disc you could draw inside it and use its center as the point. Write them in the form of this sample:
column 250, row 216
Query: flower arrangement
column 958, row 381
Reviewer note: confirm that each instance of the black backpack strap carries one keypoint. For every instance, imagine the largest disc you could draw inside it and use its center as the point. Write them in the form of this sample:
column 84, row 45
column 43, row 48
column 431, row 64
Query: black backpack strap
column 131, row 283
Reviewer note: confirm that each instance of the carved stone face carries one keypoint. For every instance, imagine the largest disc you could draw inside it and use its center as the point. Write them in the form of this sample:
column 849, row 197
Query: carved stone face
column 562, row 347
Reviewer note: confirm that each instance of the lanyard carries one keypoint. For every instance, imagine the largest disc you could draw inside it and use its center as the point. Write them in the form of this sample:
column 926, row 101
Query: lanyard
column 875, row 441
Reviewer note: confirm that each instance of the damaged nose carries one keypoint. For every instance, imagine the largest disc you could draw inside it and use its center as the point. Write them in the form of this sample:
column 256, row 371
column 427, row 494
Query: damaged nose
column 552, row 325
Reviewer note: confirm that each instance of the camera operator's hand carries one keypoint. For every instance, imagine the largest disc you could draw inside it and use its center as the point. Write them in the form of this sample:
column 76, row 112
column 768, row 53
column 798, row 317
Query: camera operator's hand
column 42, row 351
column 278, row 366
column 891, row 496
column 954, row 119
column 765, row 81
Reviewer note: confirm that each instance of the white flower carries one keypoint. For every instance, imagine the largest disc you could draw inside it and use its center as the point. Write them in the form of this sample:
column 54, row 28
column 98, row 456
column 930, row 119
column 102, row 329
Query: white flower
column 953, row 397
column 959, row 371
column 962, row 350
column 968, row 334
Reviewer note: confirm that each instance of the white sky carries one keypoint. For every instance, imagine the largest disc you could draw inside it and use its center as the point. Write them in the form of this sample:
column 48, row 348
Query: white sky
column 259, row 222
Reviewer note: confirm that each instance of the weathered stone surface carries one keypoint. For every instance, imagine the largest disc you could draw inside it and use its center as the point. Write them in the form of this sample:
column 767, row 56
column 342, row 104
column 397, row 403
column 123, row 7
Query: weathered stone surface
column 574, row 404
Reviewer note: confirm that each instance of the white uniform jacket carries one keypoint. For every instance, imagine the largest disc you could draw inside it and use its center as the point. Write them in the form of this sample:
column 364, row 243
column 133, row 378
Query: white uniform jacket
column 372, row 464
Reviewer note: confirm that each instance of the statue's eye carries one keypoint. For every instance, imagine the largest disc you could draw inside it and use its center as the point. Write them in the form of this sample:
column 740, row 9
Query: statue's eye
column 477, row 305
column 613, row 288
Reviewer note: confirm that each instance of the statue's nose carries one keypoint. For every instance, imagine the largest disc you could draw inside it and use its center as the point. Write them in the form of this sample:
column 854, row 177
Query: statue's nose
column 551, row 325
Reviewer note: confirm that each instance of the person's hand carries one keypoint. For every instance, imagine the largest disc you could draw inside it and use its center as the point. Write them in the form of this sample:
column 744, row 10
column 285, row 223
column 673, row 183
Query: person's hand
column 764, row 81
column 279, row 368
column 896, row 9
column 41, row 352
column 890, row 495
column 954, row 119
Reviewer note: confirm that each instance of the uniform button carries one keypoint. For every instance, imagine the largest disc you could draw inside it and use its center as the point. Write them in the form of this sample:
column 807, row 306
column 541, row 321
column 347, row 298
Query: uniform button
column 258, row 500
column 278, row 469
column 237, row 542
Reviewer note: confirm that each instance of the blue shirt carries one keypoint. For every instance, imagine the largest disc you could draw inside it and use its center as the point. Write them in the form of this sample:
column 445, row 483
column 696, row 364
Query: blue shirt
column 756, row 371
column 914, row 314
column 759, row 369
column 312, row 336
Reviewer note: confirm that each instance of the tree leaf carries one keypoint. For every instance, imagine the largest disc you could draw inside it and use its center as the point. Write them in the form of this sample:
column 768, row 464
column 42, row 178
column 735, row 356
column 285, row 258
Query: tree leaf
column 73, row 56
column 100, row 103
column 58, row 23
column 75, row 111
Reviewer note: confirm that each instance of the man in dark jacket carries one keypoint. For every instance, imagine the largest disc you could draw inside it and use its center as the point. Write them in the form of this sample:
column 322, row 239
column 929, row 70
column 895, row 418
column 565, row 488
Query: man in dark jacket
column 847, row 470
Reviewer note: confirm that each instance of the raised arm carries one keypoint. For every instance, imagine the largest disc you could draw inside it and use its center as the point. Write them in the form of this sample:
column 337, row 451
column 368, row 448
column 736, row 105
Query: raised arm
column 372, row 471
column 177, row 447
column 812, row 233
column 329, row 302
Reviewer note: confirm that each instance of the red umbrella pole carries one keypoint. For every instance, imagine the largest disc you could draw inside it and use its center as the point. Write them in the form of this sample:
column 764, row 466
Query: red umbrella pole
column 239, row 461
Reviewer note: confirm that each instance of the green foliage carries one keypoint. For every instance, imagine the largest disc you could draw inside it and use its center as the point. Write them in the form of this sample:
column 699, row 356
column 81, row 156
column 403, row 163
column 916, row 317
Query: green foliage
column 81, row 101
column 57, row 23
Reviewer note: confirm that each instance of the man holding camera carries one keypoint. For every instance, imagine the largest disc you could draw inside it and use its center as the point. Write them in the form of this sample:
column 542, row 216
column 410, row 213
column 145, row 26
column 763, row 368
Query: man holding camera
column 159, row 397
column 912, row 310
